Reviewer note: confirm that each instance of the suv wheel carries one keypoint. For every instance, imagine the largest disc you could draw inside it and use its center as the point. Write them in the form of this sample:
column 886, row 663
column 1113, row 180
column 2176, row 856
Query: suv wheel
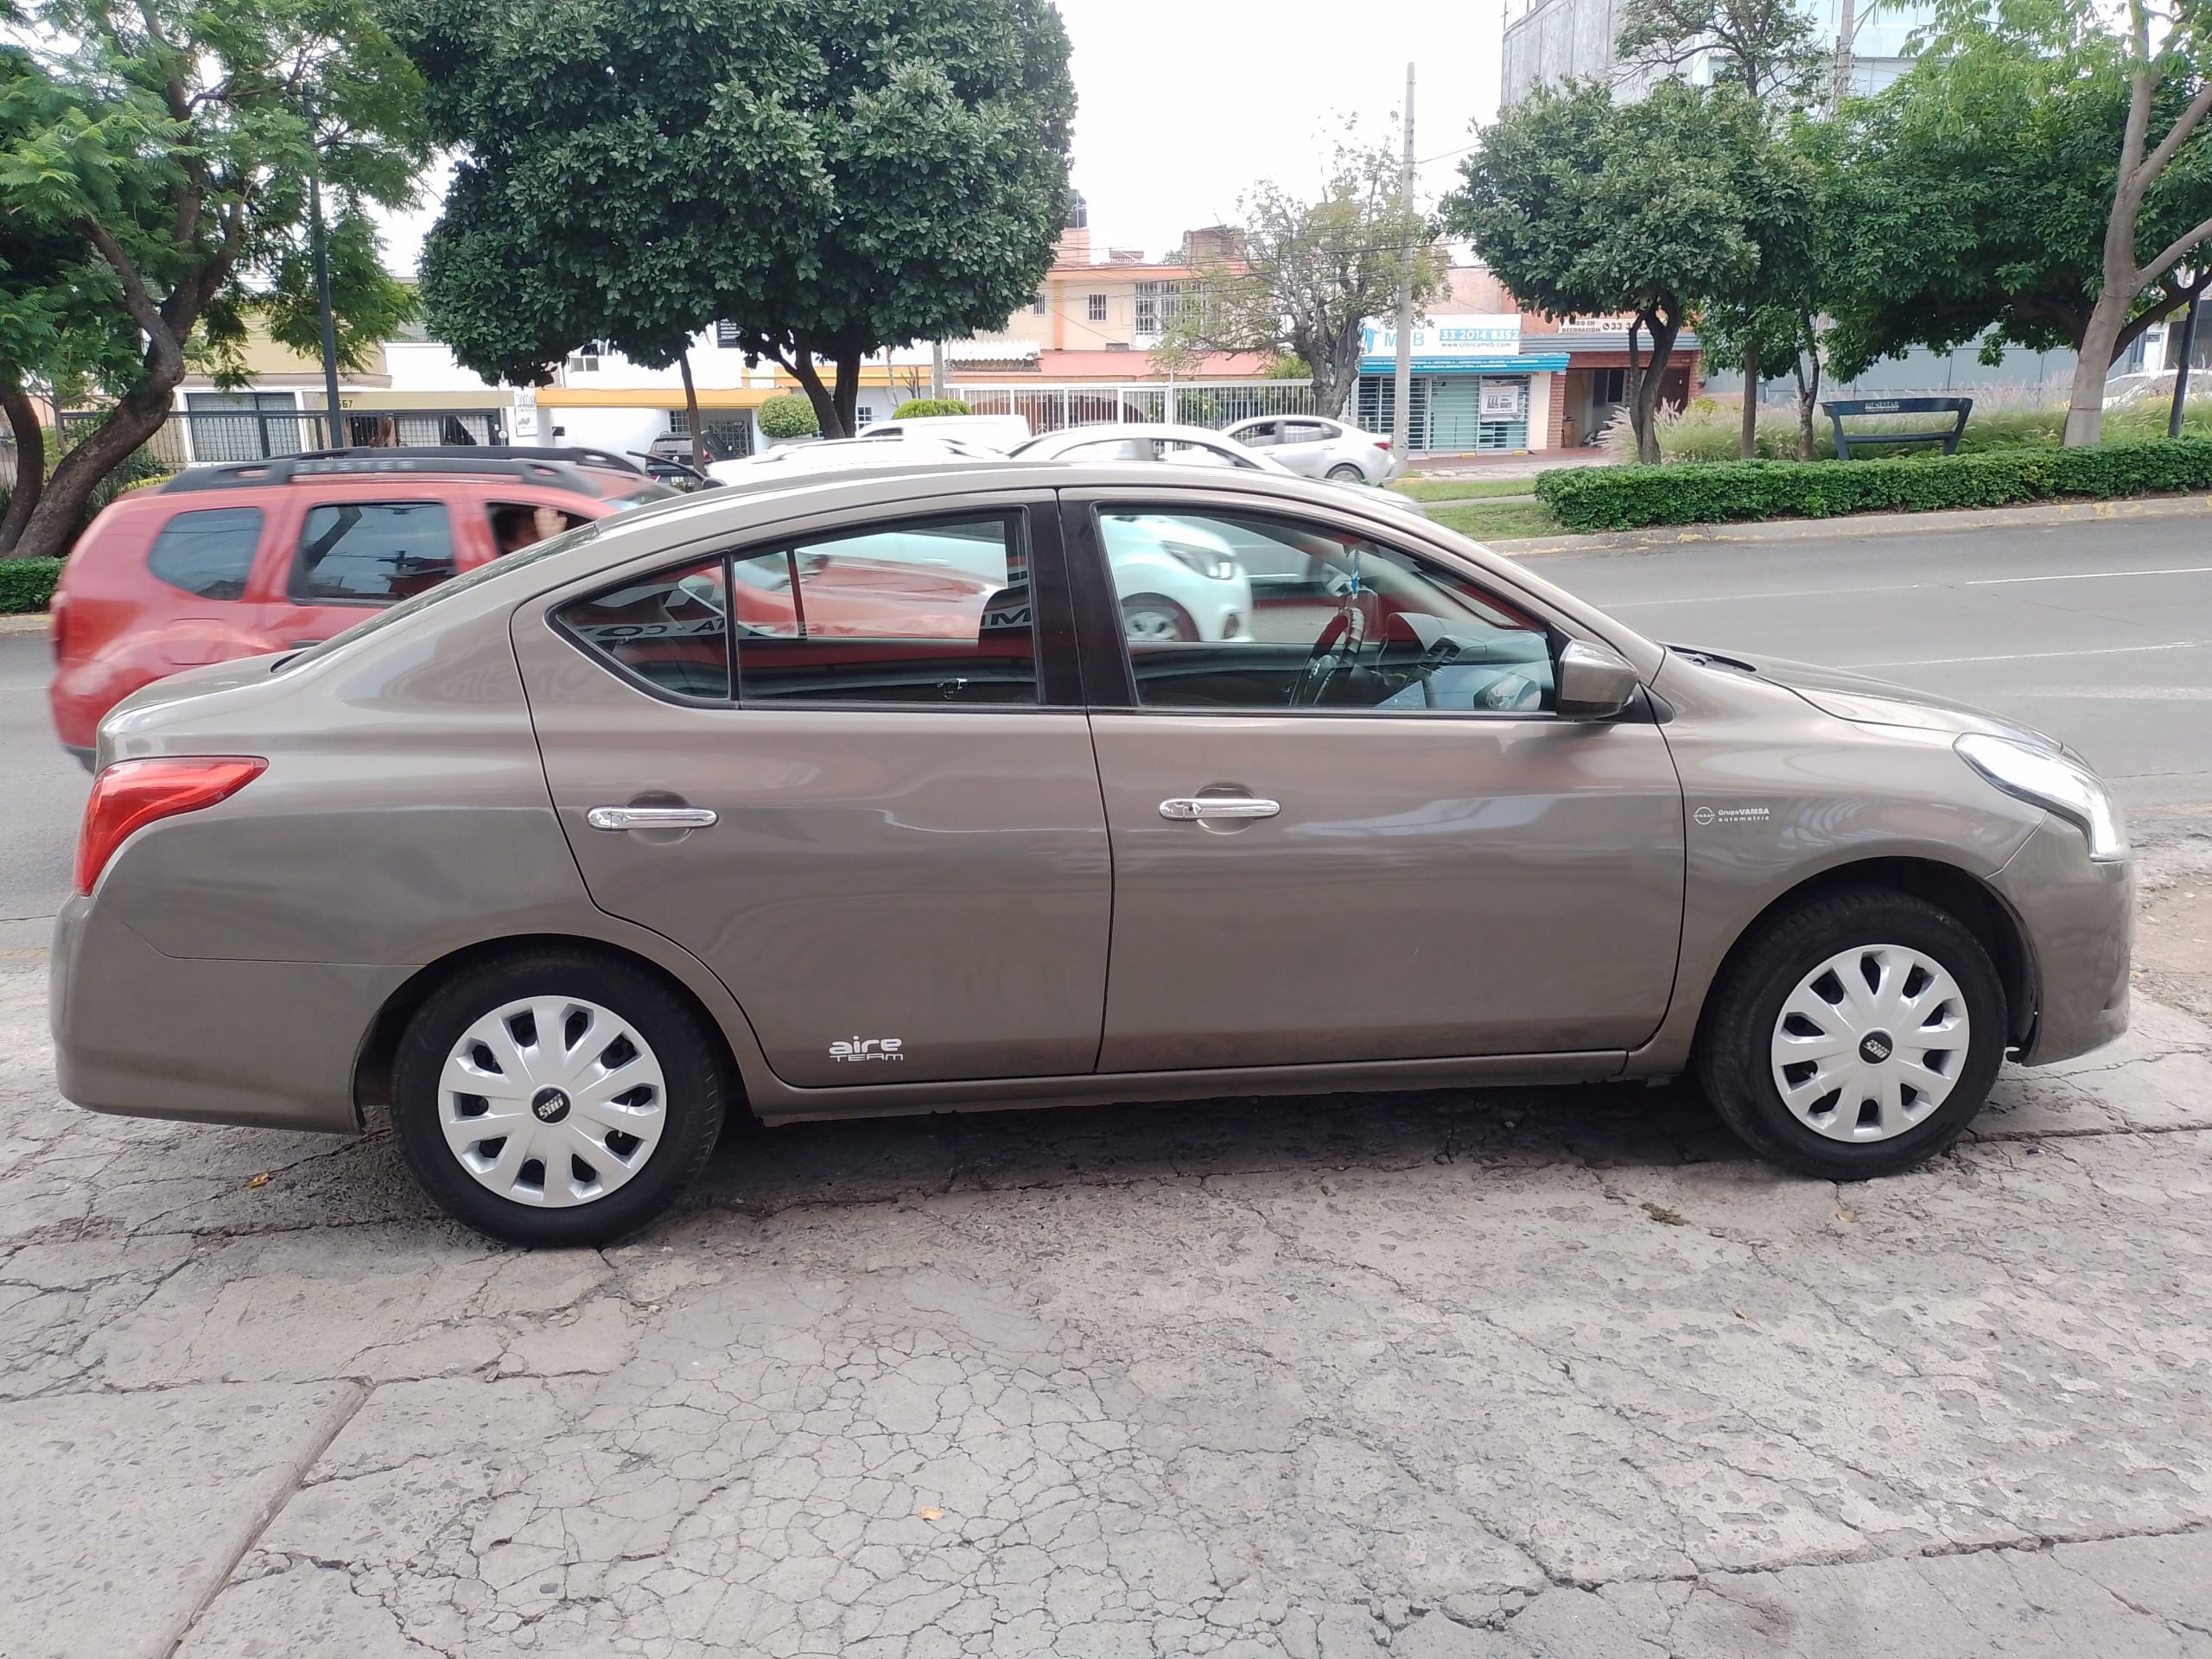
column 555, row 1098
column 1855, row 1036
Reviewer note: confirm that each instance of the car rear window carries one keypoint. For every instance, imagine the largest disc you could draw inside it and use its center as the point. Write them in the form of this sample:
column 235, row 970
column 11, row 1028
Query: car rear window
column 373, row 552
column 209, row 553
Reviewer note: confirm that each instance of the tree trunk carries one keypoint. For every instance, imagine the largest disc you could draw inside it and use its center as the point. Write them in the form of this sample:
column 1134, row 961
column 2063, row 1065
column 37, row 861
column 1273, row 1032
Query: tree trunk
column 1634, row 379
column 691, row 412
column 809, row 373
column 1747, row 440
column 2085, row 410
column 30, row 461
column 53, row 524
column 1643, row 405
column 848, row 392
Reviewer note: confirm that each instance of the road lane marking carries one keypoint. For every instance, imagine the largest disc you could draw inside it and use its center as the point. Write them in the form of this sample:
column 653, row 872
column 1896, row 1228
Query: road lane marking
column 2091, row 575
column 1911, row 587
column 2034, row 655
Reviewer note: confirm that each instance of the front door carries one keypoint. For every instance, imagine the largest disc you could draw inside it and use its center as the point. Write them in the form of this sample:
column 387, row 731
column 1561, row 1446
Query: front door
column 1357, row 832
column 906, row 875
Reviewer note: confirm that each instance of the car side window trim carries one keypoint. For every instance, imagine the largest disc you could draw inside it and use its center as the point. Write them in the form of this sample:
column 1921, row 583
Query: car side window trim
column 1109, row 671
column 1037, row 525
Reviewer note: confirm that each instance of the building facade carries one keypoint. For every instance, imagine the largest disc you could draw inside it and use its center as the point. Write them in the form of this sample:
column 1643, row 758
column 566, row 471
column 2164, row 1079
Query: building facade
column 1548, row 42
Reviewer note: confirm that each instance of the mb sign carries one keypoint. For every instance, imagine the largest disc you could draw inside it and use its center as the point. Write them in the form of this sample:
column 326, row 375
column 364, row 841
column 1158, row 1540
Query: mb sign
column 1473, row 333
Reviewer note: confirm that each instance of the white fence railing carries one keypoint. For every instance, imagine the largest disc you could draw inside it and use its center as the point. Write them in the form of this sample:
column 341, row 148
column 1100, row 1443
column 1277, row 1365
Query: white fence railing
column 1187, row 403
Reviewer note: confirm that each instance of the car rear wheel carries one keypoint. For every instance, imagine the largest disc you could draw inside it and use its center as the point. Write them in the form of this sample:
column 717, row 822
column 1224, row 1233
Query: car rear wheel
column 555, row 1098
column 1855, row 1036
column 1345, row 472
column 1149, row 619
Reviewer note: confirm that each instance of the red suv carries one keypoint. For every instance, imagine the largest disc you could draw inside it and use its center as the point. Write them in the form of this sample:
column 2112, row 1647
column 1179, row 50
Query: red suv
column 231, row 560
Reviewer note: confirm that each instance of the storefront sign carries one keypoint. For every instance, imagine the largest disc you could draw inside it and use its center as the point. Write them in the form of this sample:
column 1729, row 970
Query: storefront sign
column 1471, row 334
column 1504, row 399
column 526, row 412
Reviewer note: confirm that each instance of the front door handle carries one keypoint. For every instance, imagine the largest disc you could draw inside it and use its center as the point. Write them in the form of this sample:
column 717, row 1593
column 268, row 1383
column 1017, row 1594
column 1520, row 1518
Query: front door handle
column 1186, row 808
column 649, row 817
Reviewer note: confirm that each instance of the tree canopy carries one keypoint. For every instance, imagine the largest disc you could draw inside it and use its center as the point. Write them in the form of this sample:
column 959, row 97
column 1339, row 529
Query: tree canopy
column 1650, row 208
column 1309, row 274
column 829, row 178
column 156, row 160
column 1765, row 46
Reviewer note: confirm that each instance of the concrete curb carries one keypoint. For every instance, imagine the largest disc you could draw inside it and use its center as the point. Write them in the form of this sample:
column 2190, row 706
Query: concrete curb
column 36, row 622
column 1870, row 524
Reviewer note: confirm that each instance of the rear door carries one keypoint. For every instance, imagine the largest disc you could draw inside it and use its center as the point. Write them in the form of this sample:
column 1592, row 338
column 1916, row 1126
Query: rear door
column 1357, row 831
column 890, row 845
column 1305, row 447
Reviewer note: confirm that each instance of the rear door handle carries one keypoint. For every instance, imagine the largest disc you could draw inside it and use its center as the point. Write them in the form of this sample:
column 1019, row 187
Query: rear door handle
column 649, row 817
column 1186, row 809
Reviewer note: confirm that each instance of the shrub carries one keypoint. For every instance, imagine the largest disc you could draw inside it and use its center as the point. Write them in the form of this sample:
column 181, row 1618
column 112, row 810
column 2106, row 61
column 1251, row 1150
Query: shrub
column 1626, row 498
column 918, row 408
column 27, row 584
column 787, row 415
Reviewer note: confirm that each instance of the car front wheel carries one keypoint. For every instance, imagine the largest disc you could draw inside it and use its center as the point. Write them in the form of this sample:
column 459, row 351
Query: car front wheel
column 555, row 1098
column 1855, row 1036
column 1149, row 619
column 1347, row 474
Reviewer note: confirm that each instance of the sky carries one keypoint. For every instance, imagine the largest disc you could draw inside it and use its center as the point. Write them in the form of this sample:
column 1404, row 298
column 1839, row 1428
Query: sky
column 1182, row 107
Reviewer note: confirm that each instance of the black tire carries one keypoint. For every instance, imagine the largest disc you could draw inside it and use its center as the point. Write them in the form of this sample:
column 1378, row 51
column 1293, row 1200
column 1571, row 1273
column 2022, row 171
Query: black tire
column 1345, row 472
column 1139, row 605
column 1734, row 1061
column 692, row 1096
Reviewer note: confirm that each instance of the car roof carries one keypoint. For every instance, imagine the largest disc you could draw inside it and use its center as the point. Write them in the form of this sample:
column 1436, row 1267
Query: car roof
column 280, row 472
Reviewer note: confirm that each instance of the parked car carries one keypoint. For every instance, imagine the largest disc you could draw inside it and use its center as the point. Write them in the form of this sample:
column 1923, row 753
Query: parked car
column 997, row 432
column 1182, row 446
column 230, row 560
column 1313, row 446
column 558, row 864
column 843, row 454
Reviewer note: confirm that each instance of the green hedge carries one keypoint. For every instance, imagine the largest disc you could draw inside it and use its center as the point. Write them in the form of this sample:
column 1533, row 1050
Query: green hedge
column 787, row 415
column 915, row 409
column 1628, row 497
column 27, row 584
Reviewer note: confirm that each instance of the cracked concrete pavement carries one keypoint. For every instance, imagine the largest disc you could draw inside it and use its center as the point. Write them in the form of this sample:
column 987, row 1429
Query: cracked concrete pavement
column 1440, row 1376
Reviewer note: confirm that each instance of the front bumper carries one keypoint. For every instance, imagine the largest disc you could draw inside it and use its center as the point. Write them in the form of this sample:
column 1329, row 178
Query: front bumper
column 2079, row 918
column 269, row 1044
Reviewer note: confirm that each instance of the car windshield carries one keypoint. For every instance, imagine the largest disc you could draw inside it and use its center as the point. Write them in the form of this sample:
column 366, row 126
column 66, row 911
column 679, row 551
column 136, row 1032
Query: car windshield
column 622, row 492
column 458, row 585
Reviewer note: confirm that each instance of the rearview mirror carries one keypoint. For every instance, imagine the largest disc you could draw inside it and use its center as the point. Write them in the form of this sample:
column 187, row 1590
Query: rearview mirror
column 1594, row 681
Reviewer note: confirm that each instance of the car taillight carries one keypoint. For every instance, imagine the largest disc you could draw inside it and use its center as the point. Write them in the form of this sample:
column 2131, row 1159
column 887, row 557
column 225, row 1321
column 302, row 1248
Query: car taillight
column 1382, row 443
column 131, row 794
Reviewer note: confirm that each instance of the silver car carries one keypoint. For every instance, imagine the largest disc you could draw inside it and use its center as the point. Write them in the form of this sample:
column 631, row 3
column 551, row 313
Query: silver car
column 759, row 802
column 1313, row 446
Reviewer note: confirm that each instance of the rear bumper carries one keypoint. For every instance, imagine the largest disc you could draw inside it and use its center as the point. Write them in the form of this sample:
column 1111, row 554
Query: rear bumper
column 269, row 1044
column 2079, row 918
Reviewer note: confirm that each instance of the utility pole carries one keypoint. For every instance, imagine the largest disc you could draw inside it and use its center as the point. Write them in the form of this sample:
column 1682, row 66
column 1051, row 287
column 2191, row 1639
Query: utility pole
column 1846, row 49
column 936, row 368
column 2180, row 368
column 332, row 436
column 1403, row 384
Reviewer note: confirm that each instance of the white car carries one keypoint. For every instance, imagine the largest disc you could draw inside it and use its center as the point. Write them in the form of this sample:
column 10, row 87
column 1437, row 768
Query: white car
column 1181, row 581
column 1315, row 446
column 837, row 454
column 997, row 432
column 1184, row 446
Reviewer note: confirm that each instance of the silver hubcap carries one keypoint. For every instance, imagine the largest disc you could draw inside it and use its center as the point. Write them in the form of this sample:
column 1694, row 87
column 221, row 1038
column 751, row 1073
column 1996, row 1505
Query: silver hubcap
column 1149, row 624
column 1870, row 1042
column 552, row 1100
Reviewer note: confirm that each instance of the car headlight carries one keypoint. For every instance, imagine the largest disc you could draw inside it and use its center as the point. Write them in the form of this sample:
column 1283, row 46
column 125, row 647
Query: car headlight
column 2054, row 781
column 1204, row 560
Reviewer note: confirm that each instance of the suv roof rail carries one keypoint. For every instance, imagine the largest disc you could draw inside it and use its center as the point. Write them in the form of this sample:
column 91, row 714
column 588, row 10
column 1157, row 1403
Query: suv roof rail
column 560, row 474
column 575, row 455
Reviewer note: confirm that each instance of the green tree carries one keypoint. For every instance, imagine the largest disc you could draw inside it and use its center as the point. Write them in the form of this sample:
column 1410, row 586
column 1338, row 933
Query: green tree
column 1979, row 202
column 161, row 154
column 1650, row 208
column 1309, row 274
column 2151, row 63
column 829, row 179
column 1765, row 46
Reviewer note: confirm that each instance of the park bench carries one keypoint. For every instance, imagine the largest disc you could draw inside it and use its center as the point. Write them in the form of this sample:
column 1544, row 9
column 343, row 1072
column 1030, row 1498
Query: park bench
column 1948, row 436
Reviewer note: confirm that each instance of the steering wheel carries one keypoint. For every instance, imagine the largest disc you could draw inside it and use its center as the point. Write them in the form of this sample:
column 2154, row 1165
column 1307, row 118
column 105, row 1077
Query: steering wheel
column 1516, row 692
column 1334, row 652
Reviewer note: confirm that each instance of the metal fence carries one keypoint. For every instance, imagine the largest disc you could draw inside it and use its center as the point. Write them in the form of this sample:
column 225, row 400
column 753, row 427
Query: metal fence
column 1194, row 403
column 194, row 435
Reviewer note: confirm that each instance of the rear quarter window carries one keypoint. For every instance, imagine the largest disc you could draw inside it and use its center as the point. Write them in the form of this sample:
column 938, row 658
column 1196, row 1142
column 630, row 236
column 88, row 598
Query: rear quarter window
column 209, row 553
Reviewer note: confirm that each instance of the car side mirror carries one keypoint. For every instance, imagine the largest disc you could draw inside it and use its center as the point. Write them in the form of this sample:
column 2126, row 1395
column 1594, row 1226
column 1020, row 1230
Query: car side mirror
column 1593, row 681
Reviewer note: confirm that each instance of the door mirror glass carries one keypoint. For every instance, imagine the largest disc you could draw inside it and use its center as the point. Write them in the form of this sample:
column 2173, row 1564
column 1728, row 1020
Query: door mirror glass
column 1595, row 682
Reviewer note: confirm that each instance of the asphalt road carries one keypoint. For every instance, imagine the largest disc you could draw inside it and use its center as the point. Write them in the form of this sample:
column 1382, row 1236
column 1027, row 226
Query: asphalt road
column 2099, row 633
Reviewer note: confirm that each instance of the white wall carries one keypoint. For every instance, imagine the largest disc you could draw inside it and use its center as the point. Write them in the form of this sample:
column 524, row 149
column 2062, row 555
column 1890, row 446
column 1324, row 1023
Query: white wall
column 427, row 365
column 622, row 430
column 1542, row 387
